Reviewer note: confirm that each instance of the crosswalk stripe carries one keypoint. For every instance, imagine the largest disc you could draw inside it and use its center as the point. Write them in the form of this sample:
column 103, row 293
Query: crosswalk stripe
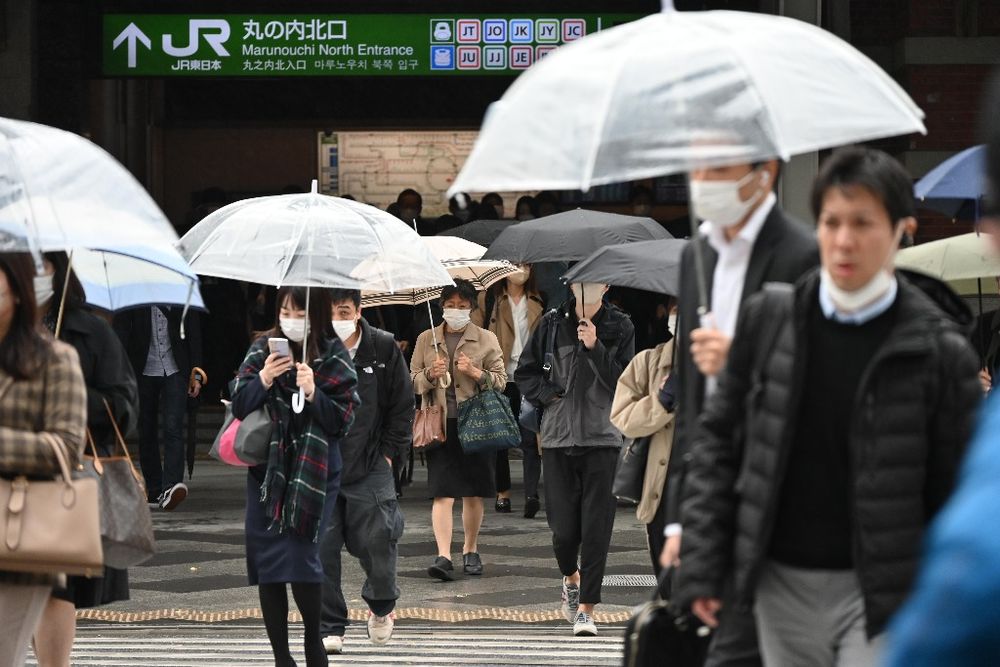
column 247, row 645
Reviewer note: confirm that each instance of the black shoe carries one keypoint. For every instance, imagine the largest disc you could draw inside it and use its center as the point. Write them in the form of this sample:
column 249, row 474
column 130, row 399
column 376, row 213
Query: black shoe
column 531, row 507
column 441, row 569
column 473, row 564
column 503, row 505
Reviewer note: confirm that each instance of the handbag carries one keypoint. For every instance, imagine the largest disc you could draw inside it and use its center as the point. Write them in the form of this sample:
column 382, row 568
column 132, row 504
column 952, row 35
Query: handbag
column 486, row 423
column 657, row 634
column 428, row 425
column 531, row 415
column 631, row 472
column 243, row 442
column 51, row 526
column 126, row 525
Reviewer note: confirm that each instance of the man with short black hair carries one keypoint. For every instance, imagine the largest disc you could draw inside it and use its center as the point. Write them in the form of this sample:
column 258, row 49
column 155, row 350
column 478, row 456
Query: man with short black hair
column 833, row 438
column 367, row 519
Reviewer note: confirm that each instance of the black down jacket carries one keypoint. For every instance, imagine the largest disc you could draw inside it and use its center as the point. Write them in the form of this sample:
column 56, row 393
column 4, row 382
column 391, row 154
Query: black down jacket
column 915, row 407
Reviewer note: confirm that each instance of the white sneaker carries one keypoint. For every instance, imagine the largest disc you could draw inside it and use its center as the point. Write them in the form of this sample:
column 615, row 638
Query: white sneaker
column 570, row 601
column 380, row 628
column 174, row 496
column 584, row 625
column 333, row 644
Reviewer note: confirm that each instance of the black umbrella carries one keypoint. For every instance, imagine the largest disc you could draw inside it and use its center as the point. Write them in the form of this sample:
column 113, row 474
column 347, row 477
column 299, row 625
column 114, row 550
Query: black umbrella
column 654, row 266
column 570, row 236
column 483, row 232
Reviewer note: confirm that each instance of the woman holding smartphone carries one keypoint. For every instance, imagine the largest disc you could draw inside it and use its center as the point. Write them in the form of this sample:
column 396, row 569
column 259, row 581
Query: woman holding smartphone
column 291, row 497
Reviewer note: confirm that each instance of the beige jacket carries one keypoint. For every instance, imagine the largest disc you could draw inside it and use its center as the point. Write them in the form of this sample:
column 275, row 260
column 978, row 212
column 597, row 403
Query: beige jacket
column 502, row 319
column 478, row 344
column 637, row 413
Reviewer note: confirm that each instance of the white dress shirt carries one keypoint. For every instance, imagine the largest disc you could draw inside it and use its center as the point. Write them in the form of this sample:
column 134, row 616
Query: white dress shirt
column 519, row 310
column 731, row 270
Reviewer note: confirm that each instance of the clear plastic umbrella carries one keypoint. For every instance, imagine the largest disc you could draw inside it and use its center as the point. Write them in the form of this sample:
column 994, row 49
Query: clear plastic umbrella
column 311, row 240
column 679, row 90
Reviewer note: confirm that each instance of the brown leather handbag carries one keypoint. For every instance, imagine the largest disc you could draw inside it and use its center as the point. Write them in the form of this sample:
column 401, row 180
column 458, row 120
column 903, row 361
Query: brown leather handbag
column 428, row 425
column 51, row 526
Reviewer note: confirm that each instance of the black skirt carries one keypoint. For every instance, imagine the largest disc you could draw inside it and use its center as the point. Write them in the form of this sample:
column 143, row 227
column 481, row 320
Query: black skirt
column 85, row 593
column 451, row 473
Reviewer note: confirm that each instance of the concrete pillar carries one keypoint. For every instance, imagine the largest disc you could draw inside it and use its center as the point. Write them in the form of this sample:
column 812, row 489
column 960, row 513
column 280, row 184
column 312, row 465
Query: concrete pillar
column 17, row 58
column 798, row 175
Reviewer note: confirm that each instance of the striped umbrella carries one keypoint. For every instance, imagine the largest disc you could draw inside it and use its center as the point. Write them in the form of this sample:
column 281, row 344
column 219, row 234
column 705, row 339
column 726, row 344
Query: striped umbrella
column 462, row 259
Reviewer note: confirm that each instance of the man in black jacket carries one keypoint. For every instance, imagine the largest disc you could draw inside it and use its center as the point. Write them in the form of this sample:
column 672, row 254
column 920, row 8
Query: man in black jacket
column 569, row 369
column 367, row 519
column 746, row 241
column 166, row 367
column 834, row 437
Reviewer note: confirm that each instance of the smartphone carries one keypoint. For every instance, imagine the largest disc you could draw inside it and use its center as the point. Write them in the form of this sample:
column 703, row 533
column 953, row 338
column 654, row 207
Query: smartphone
column 279, row 346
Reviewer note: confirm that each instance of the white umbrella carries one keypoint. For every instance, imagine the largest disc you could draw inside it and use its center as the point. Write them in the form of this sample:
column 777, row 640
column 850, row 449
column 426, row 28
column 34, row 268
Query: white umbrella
column 311, row 240
column 680, row 90
column 953, row 260
column 60, row 192
column 462, row 259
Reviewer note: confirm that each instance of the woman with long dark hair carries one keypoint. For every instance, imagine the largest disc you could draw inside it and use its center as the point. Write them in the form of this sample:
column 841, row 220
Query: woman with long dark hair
column 291, row 497
column 43, row 405
column 111, row 385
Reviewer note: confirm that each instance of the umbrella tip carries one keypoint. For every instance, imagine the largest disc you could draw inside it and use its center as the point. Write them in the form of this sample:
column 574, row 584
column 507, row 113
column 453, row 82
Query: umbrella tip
column 667, row 6
column 315, row 187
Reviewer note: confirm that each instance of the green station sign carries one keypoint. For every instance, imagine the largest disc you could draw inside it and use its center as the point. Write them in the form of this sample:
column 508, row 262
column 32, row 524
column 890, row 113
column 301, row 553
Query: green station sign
column 268, row 45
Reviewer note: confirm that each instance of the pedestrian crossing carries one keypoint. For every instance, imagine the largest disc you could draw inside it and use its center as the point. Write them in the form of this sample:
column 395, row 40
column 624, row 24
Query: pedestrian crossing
column 431, row 646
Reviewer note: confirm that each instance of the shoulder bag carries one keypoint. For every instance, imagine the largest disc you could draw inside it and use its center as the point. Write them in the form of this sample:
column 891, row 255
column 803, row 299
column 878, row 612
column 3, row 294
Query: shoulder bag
column 486, row 422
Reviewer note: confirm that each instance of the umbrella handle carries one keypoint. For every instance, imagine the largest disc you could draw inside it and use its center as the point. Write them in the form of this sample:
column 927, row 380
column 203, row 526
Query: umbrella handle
column 299, row 401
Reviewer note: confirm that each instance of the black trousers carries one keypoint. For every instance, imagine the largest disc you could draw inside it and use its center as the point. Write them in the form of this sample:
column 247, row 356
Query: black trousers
column 529, row 447
column 655, row 538
column 581, row 513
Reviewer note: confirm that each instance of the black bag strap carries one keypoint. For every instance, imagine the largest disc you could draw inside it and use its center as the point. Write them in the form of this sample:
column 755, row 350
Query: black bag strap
column 551, row 332
column 385, row 348
column 778, row 300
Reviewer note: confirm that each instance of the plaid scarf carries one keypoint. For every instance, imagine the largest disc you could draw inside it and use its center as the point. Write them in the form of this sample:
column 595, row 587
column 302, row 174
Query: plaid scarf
column 294, row 488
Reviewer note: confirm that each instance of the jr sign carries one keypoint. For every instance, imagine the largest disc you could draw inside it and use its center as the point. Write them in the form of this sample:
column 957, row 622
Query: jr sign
column 343, row 44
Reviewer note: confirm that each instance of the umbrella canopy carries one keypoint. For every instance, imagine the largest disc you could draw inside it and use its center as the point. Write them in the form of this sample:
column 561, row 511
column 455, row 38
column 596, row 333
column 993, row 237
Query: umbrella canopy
column 958, row 258
column 311, row 240
column 461, row 258
column 114, row 282
column 677, row 91
column 59, row 191
column 955, row 183
column 570, row 236
column 483, row 232
column 653, row 266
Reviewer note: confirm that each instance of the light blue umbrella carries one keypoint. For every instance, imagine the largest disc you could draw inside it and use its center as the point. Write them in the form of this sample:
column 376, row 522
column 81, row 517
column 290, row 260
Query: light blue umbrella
column 115, row 282
column 955, row 186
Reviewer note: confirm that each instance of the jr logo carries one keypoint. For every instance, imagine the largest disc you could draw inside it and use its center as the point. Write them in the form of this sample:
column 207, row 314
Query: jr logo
column 215, row 32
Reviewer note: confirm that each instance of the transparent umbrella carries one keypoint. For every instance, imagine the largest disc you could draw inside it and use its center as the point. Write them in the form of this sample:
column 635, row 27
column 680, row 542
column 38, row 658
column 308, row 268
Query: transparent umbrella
column 311, row 240
column 679, row 90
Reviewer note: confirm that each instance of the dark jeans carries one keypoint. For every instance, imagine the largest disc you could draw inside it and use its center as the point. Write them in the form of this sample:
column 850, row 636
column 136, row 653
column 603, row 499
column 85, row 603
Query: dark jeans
column 581, row 513
column 529, row 446
column 654, row 537
column 367, row 520
column 166, row 396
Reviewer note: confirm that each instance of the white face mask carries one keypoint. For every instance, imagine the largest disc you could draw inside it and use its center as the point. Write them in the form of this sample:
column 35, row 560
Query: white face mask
column 457, row 318
column 719, row 201
column 43, row 289
column 851, row 302
column 589, row 294
column 294, row 328
column 344, row 328
column 672, row 323
column 521, row 276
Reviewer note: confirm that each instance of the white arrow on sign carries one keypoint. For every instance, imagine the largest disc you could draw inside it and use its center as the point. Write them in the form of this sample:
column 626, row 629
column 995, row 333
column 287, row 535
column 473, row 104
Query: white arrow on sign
column 133, row 34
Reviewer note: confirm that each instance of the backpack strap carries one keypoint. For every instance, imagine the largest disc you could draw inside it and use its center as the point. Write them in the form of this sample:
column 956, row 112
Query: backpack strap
column 777, row 309
column 385, row 349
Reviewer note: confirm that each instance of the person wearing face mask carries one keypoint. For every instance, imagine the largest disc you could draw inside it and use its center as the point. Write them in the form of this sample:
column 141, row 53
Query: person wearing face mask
column 167, row 369
column 511, row 309
column 465, row 359
column 747, row 241
column 367, row 519
column 569, row 370
column 291, row 499
column 109, row 379
column 855, row 394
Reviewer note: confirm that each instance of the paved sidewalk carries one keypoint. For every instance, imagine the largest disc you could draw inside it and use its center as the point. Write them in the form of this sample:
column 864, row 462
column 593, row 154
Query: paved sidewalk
column 199, row 573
